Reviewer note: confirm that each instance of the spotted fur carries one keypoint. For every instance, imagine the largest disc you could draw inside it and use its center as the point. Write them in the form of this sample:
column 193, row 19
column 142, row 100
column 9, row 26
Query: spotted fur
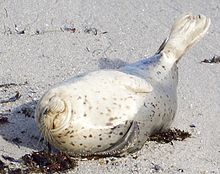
column 112, row 112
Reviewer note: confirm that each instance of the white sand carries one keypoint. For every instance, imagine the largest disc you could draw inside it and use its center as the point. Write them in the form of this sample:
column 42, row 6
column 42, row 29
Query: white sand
column 134, row 29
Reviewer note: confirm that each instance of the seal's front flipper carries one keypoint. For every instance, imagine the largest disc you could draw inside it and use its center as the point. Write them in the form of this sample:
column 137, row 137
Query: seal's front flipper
column 120, row 148
column 133, row 83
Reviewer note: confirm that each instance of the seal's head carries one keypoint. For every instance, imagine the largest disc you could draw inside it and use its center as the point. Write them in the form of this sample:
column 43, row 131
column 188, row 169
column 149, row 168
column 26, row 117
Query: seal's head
column 52, row 113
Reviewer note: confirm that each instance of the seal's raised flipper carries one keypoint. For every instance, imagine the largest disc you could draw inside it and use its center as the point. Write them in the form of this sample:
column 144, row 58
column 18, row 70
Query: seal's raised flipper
column 185, row 32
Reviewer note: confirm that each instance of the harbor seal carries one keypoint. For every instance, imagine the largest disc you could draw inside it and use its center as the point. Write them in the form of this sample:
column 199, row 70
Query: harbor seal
column 113, row 112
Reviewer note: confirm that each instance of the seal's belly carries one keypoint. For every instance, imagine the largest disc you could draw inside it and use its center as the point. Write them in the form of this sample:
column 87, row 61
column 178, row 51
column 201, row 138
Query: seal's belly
column 98, row 128
column 99, row 121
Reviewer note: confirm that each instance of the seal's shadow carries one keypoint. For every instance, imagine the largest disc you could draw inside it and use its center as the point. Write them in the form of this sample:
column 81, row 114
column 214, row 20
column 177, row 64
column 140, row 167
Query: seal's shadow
column 21, row 129
column 105, row 63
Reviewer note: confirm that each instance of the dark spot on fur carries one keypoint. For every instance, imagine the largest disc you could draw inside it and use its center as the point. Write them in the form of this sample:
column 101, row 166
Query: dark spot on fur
column 99, row 146
column 90, row 135
column 112, row 118
column 80, row 144
column 100, row 134
column 158, row 72
column 84, row 115
column 100, row 139
column 85, row 136
column 152, row 105
column 121, row 133
column 71, row 136
column 72, row 144
column 59, row 143
column 66, row 133
column 109, row 124
column 163, row 67
column 109, row 136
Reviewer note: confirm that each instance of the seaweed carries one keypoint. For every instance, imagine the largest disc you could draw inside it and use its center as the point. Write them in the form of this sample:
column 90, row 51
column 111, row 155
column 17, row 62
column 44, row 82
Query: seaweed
column 48, row 162
column 169, row 135
column 214, row 59
column 39, row 162
column 3, row 120
column 12, row 99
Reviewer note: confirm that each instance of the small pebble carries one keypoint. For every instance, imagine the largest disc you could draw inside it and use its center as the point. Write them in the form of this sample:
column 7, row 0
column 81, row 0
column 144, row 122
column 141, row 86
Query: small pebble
column 192, row 126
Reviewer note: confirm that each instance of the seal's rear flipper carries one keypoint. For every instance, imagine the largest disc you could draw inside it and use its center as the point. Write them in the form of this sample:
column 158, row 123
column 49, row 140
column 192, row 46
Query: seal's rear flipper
column 185, row 32
column 126, row 142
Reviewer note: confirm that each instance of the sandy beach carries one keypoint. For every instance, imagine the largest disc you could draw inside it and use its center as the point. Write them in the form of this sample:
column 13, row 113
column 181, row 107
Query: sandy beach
column 43, row 43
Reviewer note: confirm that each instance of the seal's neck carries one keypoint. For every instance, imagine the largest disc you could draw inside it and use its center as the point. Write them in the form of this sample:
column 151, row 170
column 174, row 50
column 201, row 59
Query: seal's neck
column 158, row 68
column 163, row 70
